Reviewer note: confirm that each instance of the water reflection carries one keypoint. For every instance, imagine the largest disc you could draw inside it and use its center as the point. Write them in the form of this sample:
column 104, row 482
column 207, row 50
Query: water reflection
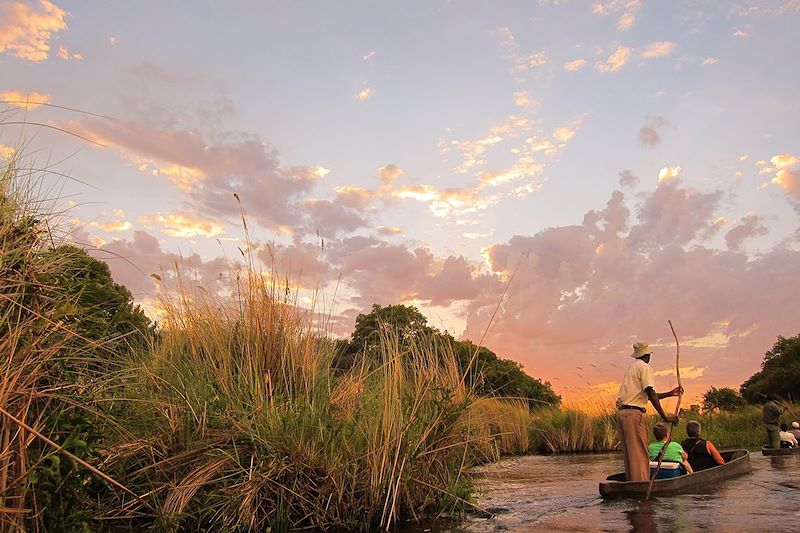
column 559, row 493
column 642, row 517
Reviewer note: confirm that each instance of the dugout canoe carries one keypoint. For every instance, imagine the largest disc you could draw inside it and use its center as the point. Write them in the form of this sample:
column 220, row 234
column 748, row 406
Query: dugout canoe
column 737, row 462
column 780, row 451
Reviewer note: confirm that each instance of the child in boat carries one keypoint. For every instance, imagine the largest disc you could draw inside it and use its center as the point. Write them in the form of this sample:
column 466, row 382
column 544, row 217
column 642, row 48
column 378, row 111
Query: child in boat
column 674, row 456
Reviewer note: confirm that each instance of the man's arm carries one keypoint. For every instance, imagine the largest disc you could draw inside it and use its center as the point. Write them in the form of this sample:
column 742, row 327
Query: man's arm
column 652, row 395
column 674, row 392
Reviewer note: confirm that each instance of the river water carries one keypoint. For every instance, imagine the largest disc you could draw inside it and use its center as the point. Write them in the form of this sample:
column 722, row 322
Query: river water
column 560, row 493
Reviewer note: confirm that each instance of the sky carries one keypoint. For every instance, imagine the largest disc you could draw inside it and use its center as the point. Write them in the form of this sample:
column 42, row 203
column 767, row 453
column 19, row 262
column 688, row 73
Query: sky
column 581, row 171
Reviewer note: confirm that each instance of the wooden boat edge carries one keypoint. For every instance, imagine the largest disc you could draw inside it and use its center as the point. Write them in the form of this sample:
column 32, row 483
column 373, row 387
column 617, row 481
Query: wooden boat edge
column 738, row 466
column 777, row 452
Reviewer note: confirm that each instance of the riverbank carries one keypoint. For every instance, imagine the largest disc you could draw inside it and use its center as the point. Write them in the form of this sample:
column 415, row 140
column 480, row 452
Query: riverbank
column 567, row 431
column 229, row 415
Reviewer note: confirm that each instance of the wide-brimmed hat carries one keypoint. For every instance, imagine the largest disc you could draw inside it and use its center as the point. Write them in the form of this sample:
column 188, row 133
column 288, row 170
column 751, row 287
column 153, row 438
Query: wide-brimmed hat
column 640, row 349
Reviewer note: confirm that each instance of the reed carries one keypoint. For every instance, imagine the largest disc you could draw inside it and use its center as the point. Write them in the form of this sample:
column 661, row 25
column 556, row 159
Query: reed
column 40, row 349
column 562, row 431
column 240, row 421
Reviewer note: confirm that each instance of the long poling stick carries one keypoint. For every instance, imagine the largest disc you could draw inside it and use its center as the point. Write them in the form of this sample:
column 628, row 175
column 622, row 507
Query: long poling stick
column 677, row 409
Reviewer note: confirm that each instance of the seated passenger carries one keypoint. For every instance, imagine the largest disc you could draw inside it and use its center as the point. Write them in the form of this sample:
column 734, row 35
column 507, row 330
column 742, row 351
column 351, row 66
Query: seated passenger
column 674, row 456
column 795, row 430
column 787, row 439
column 702, row 453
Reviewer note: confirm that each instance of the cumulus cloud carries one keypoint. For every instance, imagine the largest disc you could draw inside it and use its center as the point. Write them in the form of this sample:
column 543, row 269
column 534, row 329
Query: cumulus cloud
column 209, row 171
column 649, row 136
column 574, row 65
column 330, row 218
column 628, row 9
column 750, row 226
column 786, row 177
column 26, row 30
column 740, row 33
column 388, row 174
column 133, row 261
column 385, row 273
column 583, row 294
column 658, row 49
column 668, row 173
column 615, row 61
column 30, row 100
column 184, row 225
column 628, row 179
column 523, row 99
column 520, row 63
column 364, row 94
column 710, row 61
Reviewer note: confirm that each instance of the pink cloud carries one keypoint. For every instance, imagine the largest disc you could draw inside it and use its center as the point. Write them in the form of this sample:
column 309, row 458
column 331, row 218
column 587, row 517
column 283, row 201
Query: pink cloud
column 750, row 226
column 211, row 172
column 133, row 261
column 25, row 30
column 584, row 293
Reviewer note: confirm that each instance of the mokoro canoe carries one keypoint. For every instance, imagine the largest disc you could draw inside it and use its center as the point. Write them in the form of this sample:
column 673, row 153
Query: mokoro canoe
column 737, row 462
column 780, row 451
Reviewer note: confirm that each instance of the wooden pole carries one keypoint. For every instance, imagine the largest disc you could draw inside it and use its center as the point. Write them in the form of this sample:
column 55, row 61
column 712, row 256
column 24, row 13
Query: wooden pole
column 677, row 408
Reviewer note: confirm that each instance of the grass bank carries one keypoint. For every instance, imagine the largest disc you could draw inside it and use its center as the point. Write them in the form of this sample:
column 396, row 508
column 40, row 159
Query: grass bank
column 563, row 431
column 231, row 417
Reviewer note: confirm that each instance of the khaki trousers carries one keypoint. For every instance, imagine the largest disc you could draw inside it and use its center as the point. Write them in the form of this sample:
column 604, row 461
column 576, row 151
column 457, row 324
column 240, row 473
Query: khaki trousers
column 632, row 427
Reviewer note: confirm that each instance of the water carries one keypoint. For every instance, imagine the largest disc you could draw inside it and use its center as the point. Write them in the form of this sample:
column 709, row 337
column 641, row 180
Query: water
column 559, row 493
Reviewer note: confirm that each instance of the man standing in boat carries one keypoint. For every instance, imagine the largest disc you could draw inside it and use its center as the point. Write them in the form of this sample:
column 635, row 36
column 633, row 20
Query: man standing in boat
column 638, row 386
column 772, row 419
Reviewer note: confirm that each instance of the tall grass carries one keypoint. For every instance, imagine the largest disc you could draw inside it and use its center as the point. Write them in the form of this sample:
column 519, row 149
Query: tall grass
column 240, row 421
column 39, row 421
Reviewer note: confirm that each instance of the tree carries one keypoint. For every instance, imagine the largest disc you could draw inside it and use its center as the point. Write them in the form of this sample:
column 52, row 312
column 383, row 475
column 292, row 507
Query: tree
column 405, row 320
column 779, row 374
column 488, row 373
column 492, row 375
column 724, row 399
column 99, row 308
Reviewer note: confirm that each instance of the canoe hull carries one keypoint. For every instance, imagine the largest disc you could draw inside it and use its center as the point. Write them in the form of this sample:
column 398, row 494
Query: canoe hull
column 780, row 451
column 737, row 463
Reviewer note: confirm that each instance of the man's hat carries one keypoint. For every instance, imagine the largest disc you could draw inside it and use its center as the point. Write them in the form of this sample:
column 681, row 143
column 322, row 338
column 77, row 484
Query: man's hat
column 640, row 349
column 795, row 425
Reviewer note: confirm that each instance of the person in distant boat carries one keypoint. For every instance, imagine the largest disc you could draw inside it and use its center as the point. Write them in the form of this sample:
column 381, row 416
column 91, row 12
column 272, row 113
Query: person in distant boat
column 701, row 453
column 795, row 430
column 772, row 417
column 787, row 439
column 638, row 386
column 673, row 456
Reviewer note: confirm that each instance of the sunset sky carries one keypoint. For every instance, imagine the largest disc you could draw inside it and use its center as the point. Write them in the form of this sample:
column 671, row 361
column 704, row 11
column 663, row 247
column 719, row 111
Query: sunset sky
column 634, row 161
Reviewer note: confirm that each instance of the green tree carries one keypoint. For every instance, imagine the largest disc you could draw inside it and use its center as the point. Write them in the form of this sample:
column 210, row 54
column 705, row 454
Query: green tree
column 488, row 373
column 493, row 375
column 405, row 320
column 724, row 399
column 99, row 308
column 779, row 374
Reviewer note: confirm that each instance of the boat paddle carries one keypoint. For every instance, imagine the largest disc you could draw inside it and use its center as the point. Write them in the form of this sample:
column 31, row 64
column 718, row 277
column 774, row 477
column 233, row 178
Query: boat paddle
column 677, row 409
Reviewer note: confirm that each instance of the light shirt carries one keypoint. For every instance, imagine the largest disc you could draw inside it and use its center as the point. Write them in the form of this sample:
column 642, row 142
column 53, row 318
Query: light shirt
column 788, row 437
column 637, row 378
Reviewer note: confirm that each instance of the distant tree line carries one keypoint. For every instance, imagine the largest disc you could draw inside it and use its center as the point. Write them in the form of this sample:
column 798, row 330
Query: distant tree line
column 779, row 374
column 489, row 374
